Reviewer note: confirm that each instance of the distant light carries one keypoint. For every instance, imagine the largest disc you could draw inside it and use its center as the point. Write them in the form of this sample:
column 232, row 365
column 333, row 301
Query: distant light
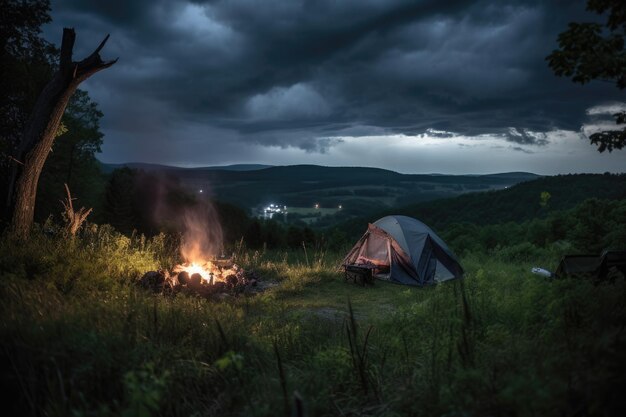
column 340, row 206
column 200, row 191
column 317, row 205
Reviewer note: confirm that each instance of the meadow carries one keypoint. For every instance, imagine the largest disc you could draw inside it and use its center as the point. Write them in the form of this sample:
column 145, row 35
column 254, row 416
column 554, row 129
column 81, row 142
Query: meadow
column 80, row 338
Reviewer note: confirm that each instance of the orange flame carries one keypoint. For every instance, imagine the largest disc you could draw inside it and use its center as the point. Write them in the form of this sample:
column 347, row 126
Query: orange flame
column 202, row 235
column 207, row 269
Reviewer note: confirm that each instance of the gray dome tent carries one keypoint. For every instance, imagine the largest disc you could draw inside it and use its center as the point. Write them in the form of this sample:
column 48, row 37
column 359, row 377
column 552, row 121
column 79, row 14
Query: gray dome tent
column 405, row 251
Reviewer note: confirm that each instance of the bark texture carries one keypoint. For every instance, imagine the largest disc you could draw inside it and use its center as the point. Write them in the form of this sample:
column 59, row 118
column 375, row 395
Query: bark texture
column 42, row 126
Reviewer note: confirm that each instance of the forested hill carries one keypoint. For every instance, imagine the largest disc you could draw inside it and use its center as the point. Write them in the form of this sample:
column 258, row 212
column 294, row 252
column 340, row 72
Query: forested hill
column 316, row 174
column 108, row 168
column 518, row 203
column 359, row 190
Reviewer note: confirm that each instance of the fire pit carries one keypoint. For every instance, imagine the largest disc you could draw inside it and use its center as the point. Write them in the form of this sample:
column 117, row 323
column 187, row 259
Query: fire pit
column 203, row 273
column 212, row 271
column 216, row 276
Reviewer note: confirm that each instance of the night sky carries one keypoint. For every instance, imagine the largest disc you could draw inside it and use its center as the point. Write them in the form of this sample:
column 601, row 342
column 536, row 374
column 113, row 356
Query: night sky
column 413, row 86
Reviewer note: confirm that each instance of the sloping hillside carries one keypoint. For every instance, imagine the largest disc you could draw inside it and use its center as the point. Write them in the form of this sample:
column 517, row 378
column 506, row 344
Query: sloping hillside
column 360, row 189
column 517, row 203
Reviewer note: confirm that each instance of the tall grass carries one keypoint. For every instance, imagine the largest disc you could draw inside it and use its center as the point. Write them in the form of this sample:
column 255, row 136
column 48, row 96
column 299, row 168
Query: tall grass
column 79, row 338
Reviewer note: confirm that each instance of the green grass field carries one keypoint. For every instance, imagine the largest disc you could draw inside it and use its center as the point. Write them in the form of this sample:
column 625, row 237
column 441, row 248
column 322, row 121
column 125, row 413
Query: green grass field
column 79, row 338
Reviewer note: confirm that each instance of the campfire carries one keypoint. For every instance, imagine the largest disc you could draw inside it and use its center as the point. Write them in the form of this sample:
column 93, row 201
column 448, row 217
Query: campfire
column 202, row 273
column 205, row 279
column 207, row 272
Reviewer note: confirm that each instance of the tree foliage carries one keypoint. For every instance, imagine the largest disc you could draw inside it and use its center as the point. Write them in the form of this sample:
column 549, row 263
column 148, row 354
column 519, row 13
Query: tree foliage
column 26, row 62
column 73, row 159
column 594, row 51
column 119, row 208
column 611, row 139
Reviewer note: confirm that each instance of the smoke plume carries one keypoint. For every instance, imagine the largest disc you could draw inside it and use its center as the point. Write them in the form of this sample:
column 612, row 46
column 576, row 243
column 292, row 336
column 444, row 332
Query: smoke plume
column 171, row 207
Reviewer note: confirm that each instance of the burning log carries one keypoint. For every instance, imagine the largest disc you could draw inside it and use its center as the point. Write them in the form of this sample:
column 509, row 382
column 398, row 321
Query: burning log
column 183, row 277
column 205, row 279
column 232, row 280
column 195, row 280
column 156, row 281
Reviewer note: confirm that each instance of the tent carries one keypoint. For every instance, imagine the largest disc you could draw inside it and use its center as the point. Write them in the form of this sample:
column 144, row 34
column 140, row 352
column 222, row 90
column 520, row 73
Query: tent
column 597, row 268
column 404, row 250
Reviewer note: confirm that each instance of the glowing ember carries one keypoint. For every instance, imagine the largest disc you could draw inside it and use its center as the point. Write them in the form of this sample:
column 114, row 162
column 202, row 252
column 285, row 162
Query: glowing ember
column 193, row 269
column 207, row 269
column 204, row 279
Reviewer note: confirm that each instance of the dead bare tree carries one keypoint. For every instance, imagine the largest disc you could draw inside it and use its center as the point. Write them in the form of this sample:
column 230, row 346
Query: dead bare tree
column 73, row 219
column 42, row 126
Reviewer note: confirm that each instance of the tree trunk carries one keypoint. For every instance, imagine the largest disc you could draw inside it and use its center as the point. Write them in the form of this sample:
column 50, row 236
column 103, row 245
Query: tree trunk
column 43, row 124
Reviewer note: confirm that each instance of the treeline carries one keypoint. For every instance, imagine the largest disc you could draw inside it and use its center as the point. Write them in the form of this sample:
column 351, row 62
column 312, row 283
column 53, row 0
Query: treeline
column 519, row 203
column 583, row 213
column 516, row 222
column 149, row 203
column 132, row 198
column 591, row 227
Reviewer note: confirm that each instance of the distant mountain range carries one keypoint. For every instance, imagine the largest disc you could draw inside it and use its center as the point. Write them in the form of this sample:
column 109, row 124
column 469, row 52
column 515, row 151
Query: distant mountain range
column 108, row 168
column 358, row 190
column 305, row 170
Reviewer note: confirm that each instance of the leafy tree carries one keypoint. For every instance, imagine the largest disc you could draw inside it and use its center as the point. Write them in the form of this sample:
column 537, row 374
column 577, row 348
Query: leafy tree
column 119, row 198
column 73, row 159
column 544, row 199
column 26, row 63
column 234, row 221
column 294, row 237
column 37, row 82
column 273, row 234
column 41, row 128
column 253, row 237
column 594, row 51
column 591, row 224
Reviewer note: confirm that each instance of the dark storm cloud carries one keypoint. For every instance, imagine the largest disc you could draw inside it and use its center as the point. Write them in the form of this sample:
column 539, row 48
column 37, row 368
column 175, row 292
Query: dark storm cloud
column 526, row 137
column 298, row 73
column 520, row 149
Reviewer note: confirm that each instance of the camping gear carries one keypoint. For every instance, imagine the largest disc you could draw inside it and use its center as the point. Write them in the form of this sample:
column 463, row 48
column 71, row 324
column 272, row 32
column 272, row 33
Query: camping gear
column 543, row 272
column 597, row 268
column 362, row 274
column 404, row 250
